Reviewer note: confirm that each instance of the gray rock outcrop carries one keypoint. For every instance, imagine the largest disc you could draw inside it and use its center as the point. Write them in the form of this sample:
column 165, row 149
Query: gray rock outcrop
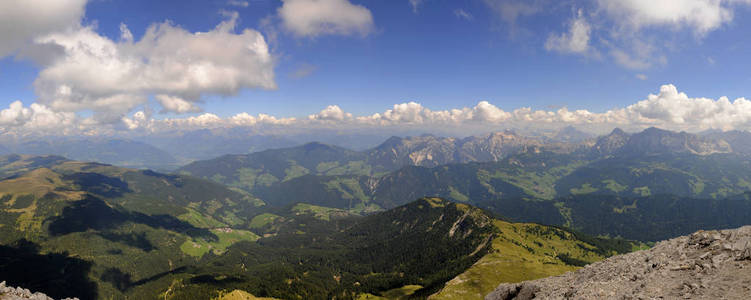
column 17, row 293
column 704, row 265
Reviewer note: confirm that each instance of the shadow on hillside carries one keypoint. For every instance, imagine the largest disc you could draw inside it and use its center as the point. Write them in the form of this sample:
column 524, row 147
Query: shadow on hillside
column 215, row 280
column 94, row 214
column 123, row 281
column 137, row 240
column 57, row 275
column 99, row 184
column 172, row 179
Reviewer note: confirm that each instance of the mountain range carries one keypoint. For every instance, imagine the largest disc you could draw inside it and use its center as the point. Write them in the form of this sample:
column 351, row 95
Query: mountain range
column 319, row 221
column 517, row 177
column 96, row 231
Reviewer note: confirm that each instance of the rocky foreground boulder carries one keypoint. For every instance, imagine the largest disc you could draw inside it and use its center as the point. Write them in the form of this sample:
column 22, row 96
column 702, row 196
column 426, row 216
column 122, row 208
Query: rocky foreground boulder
column 17, row 293
column 703, row 265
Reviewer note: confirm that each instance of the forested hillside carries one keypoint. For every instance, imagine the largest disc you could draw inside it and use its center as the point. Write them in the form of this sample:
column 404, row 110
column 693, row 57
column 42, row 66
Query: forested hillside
column 95, row 231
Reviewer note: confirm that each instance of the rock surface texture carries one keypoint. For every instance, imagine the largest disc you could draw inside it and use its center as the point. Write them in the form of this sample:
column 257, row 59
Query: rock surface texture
column 704, row 265
column 11, row 293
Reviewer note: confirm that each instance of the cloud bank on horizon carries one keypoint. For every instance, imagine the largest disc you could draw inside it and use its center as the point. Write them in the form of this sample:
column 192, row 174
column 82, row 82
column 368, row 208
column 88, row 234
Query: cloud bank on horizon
column 668, row 109
column 111, row 80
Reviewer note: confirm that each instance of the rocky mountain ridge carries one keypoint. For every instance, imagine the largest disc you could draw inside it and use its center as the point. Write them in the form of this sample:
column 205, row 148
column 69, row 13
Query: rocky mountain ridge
column 704, row 265
column 431, row 151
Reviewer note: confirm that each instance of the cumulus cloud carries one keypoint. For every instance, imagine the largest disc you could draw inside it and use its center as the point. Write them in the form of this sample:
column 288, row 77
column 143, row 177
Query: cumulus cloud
column 176, row 104
column 113, row 77
column 245, row 119
column 576, row 40
column 673, row 109
column 311, row 18
column 331, row 113
column 416, row 113
column 700, row 16
column 35, row 118
column 668, row 109
column 139, row 120
column 635, row 32
column 23, row 20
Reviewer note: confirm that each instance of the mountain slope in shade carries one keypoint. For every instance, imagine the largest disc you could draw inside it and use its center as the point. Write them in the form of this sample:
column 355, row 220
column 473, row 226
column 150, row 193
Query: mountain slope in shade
column 703, row 265
column 265, row 168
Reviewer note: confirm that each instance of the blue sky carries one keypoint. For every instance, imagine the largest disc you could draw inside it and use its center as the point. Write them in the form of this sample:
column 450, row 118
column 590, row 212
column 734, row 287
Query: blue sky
column 441, row 54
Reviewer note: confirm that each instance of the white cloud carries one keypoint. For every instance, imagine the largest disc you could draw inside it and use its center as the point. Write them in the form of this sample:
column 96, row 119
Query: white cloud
column 113, row 77
column 36, row 118
column 673, row 109
column 637, row 34
column 486, row 112
column 304, row 70
column 23, row 20
column 238, row 3
column 331, row 113
column 641, row 76
column 311, row 18
column 668, row 109
column 139, row 120
column 576, row 40
column 634, row 30
column 415, row 4
column 176, row 104
column 510, row 10
column 245, row 119
column 700, row 16
column 463, row 14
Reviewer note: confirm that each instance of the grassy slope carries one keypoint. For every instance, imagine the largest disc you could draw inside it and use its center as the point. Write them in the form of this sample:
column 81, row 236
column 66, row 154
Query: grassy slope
column 226, row 237
column 521, row 252
column 127, row 225
column 241, row 295
column 320, row 212
column 397, row 293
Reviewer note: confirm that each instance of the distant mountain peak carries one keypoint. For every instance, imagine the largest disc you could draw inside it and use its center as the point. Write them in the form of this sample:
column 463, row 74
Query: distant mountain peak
column 657, row 141
column 571, row 134
column 317, row 145
column 618, row 131
column 609, row 144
